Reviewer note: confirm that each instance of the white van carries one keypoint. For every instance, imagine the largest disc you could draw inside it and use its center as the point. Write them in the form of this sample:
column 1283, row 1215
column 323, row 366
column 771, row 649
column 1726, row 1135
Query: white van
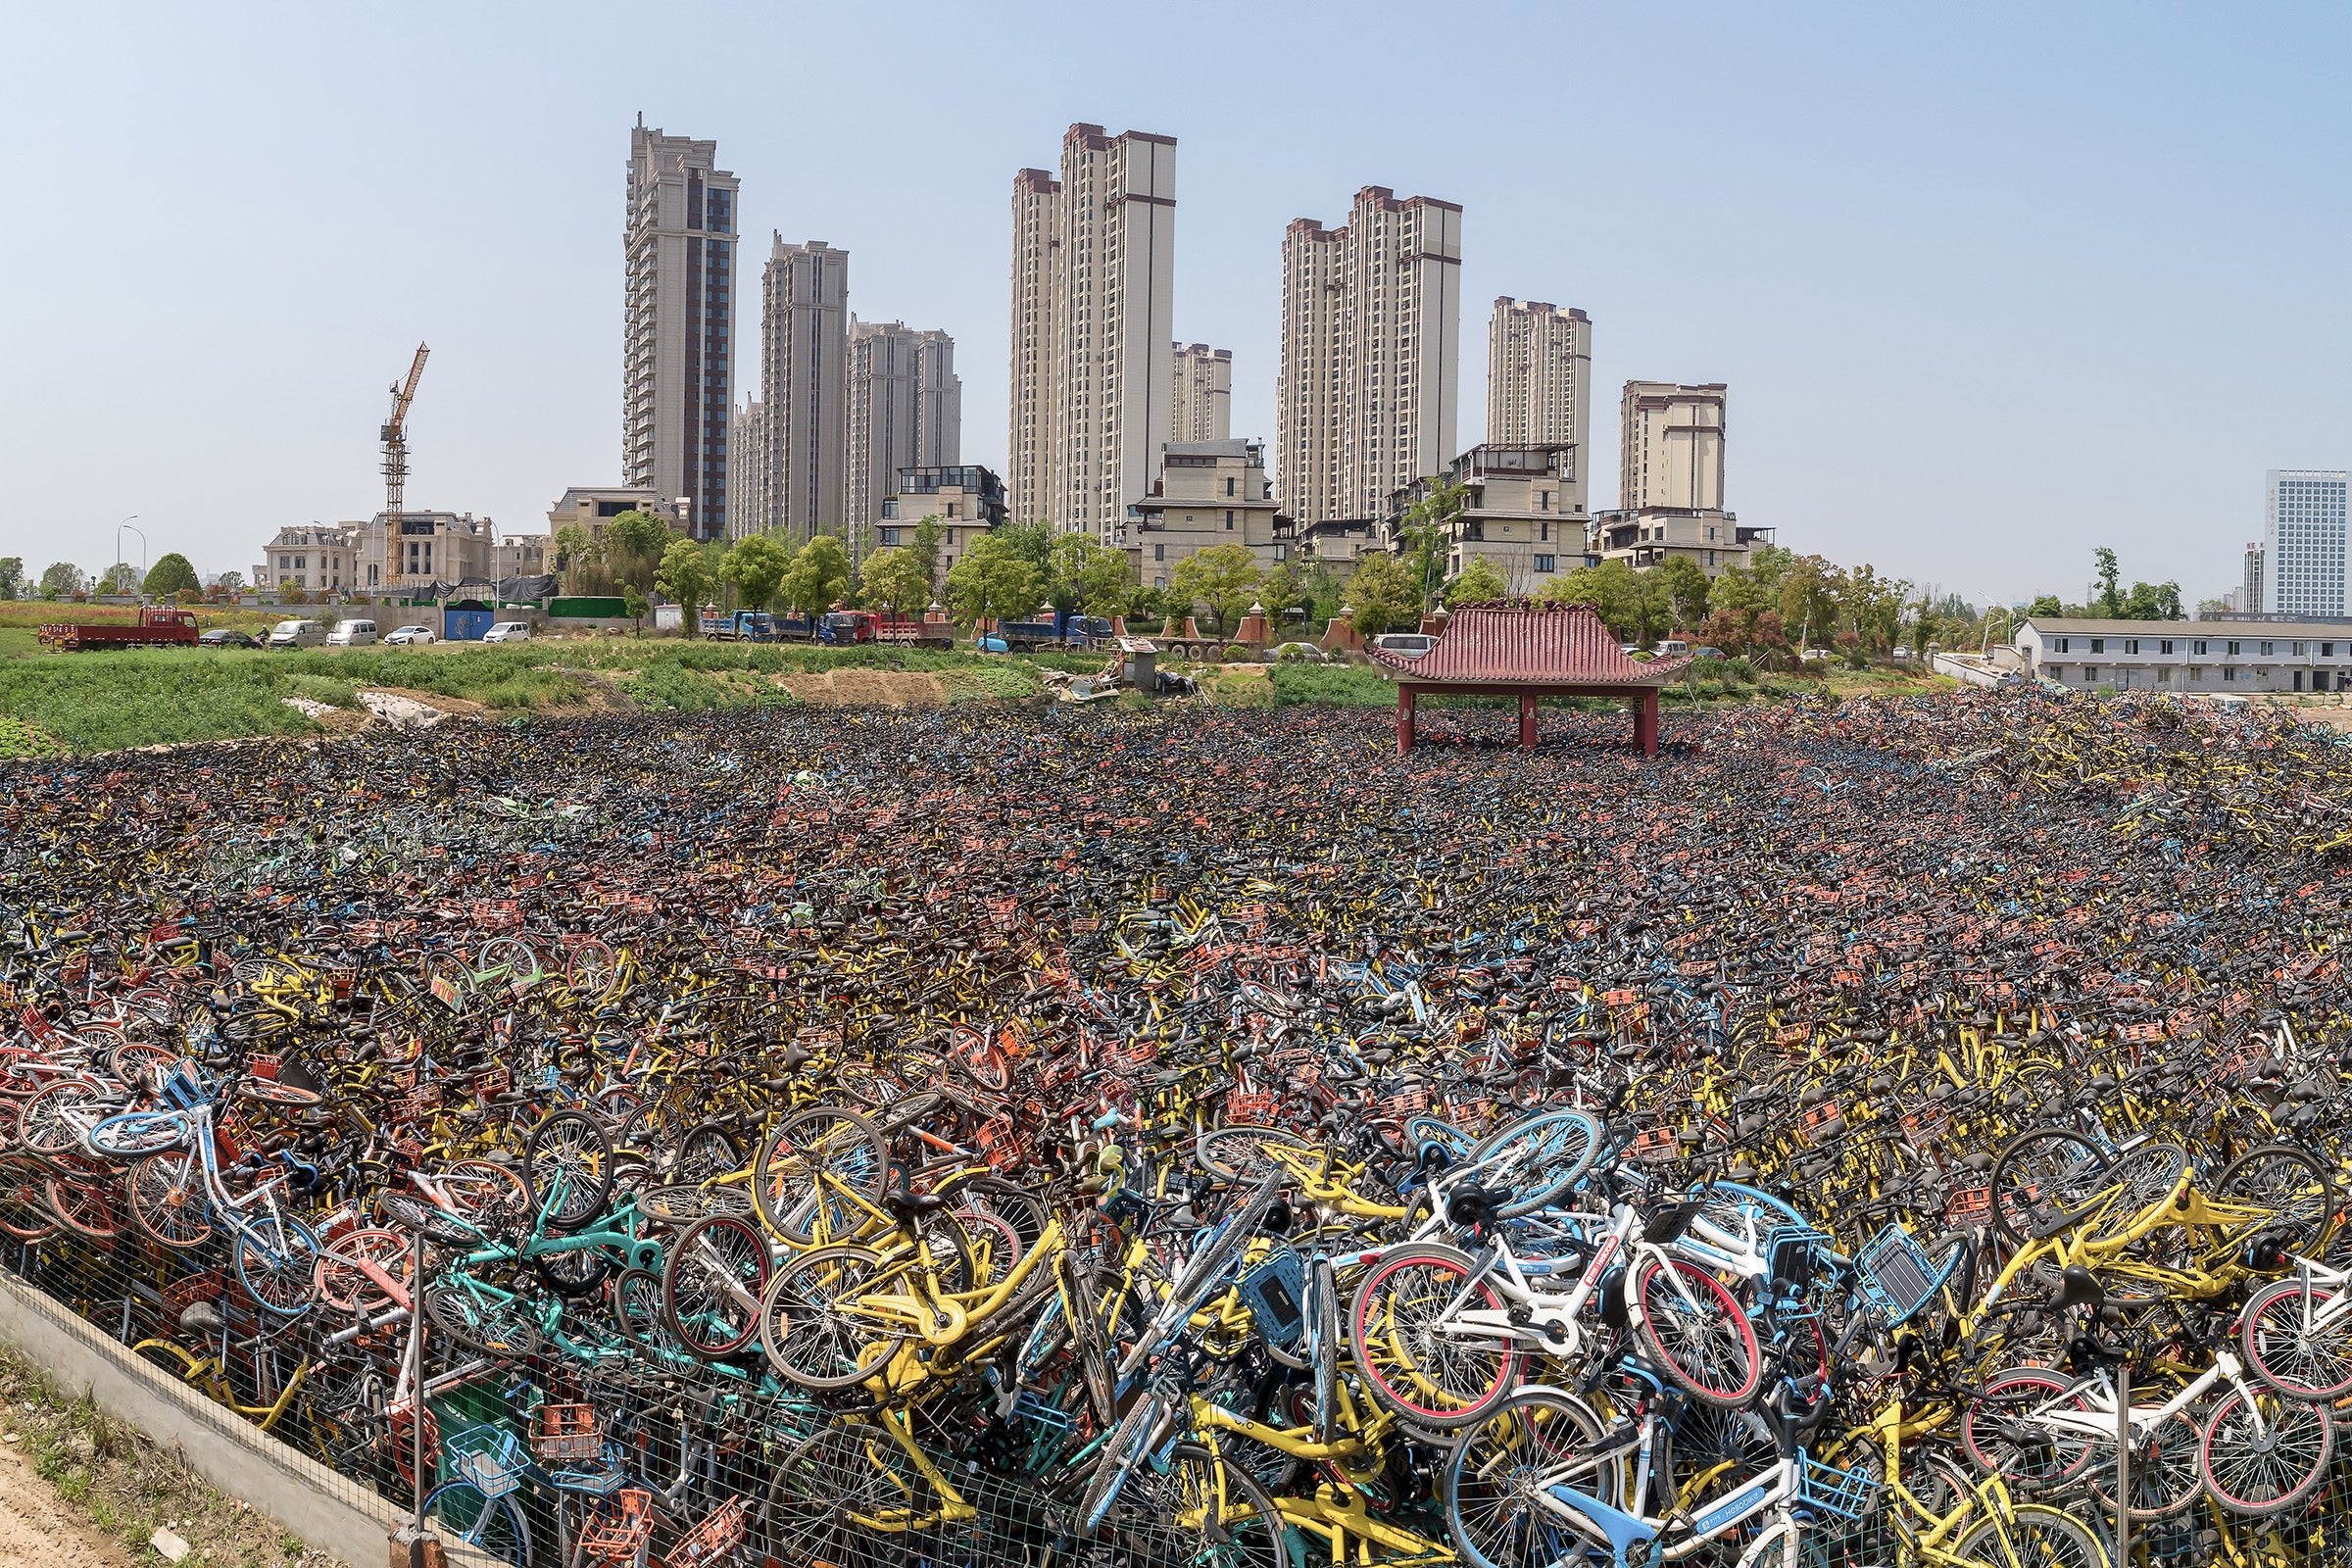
column 296, row 634
column 509, row 631
column 352, row 634
column 1672, row 646
column 1406, row 644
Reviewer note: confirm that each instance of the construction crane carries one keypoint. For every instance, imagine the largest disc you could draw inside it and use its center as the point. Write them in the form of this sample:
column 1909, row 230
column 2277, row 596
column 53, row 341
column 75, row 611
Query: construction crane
column 395, row 437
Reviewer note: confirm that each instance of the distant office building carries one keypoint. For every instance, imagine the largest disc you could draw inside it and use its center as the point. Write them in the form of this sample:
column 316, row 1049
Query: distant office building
column 2303, row 544
column 801, row 486
column 1201, row 408
column 677, row 347
column 906, row 412
column 1540, row 378
column 1368, row 391
column 2249, row 593
column 1094, row 259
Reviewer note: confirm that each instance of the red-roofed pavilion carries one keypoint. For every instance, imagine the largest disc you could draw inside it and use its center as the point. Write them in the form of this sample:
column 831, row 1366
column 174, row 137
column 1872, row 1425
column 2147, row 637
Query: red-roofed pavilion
column 1528, row 650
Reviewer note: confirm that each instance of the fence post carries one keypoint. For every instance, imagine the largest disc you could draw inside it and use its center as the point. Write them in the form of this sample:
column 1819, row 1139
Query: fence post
column 417, row 1551
column 2123, row 1466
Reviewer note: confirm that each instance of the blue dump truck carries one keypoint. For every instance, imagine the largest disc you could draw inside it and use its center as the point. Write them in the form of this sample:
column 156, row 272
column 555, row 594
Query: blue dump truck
column 1066, row 629
column 743, row 626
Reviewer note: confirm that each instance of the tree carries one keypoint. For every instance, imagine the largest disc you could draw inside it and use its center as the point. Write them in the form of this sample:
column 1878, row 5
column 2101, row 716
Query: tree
column 119, row 578
column 1427, row 524
column 2111, row 603
column 685, row 575
column 63, row 581
column 635, row 544
column 170, row 576
column 230, row 581
column 1686, row 589
column 1874, row 605
column 579, row 558
column 1809, row 596
column 1279, row 591
column 1085, row 573
column 2207, row 609
column 1479, row 580
column 1632, row 605
column 994, row 581
column 924, row 549
column 818, row 576
column 1325, row 593
column 2045, row 606
column 756, row 564
column 11, row 576
column 1224, row 577
column 633, row 600
column 2152, row 601
column 1382, row 593
column 893, row 578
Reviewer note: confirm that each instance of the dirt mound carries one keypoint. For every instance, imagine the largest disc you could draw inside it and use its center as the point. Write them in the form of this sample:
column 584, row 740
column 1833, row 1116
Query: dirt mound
column 880, row 688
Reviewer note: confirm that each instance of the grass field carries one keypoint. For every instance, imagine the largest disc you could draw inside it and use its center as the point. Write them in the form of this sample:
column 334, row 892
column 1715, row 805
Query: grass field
column 92, row 702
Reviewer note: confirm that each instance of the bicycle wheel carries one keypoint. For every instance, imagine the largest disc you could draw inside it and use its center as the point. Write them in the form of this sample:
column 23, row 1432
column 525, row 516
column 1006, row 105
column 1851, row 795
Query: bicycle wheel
column 1118, row 1459
column 1323, row 1292
column 808, row 1337
column 567, row 1168
column 135, row 1134
column 496, row 1325
column 2298, row 1341
column 712, row 1279
column 1238, row 1154
column 1697, row 1335
column 494, row 1526
column 348, row 1287
column 87, row 1201
column 1540, row 1157
column 2264, row 1453
column 2042, row 1175
column 23, row 1202
column 483, row 1190
column 2032, row 1536
column 1429, row 1375
column 1996, row 1429
column 278, row 1259
column 1496, row 1483
column 2166, row 1474
column 821, row 1174
column 2288, row 1181
column 1220, row 1514
column 706, row 1151
column 843, row 1496
column 635, row 1301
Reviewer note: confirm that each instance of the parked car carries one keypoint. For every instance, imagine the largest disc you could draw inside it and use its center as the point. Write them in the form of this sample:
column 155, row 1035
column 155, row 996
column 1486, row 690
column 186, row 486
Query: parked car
column 225, row 637
column 1706, row 652
column 1406, row 644
column 403, row 636
column 297, row 634
column 1301, row 651
column 352, row 634
column 1903, row 652
column 509, row 631
column 1672, row 646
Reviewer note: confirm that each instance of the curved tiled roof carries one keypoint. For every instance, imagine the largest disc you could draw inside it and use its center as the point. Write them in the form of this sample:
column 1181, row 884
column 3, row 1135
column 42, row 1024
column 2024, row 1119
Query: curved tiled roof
column 1531, row 643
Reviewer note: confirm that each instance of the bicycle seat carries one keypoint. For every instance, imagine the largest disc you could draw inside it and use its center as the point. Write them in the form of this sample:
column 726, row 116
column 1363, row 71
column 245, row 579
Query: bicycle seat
column 2077, row 1288
column 1472, row 1206
column 913, row 1206
column 201, row 1317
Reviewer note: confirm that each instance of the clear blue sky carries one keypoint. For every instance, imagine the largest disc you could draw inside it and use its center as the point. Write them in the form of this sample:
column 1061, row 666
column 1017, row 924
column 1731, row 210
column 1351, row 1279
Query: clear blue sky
column 1990, row 285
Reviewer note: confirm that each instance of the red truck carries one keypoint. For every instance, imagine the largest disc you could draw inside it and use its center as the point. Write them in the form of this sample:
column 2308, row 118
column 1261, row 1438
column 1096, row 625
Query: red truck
column 886, row 627
column 156, row 627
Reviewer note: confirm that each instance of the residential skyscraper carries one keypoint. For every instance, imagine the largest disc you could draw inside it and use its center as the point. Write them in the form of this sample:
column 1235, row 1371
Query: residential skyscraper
column 677, row 348
column 906, row 410
column 747, row 456
column 1368, row 393
column 1093, row 284
column 804, row 372
column 1670, row 452
column 1538, row 376
column 1201, row 408
column 2303, row 542
column 2249, row 593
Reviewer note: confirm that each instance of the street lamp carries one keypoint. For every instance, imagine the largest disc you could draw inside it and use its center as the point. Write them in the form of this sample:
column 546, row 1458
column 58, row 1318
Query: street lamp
column 119, row 527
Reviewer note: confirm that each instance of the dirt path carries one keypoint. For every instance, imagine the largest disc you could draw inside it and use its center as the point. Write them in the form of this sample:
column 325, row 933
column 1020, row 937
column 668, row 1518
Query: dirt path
column 35, row 1527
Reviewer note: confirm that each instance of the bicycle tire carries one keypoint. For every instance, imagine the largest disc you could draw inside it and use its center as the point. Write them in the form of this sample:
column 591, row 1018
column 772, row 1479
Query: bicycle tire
column 278, row 1263
column 809, row 1150
column 1232, row 1153
column 824, row 1352
column 167, row 1201
column 824, row 1495
column 500, row 1329
column 1492, row 1514
column 1706, row 1346
column 1470, row 1377
column 2302, row 1358
column 1557, row 1147
column 1118, row 1459
column 493, row 1525
column 136, row 1134
column 707, row 1318
column 2273, row 1473
column 1993, row 1445
column 567, row 1168
column 2290, row 1180
column 2043, row 1162
column 1246, row 1532
column 2035, row 1535
column 1323, row 1284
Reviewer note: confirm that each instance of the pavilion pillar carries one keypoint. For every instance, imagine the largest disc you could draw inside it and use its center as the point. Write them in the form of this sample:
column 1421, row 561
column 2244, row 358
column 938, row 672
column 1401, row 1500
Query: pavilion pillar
column 1405, row 719
column 1645, row 722
column 1527, row 721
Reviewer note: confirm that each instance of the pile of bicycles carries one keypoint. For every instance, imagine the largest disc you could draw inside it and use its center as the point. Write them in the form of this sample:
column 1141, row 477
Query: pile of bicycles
column 1898, row 1132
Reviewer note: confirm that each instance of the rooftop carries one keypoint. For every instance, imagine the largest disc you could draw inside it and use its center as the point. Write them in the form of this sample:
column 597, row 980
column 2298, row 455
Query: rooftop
column 1530, row 643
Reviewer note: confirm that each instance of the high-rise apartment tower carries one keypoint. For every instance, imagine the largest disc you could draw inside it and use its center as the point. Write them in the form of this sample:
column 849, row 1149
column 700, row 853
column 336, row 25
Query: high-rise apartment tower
column 2303, row 542
column 677, row 346
column 1538, row 374
column 906, row 412
column 1670, row 450
column 1202, row 405
column 1093, row 258
column 804, row 394
column 1368, row 393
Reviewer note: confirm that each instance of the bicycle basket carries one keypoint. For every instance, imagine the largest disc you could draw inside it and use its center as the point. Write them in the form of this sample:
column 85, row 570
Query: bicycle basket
column 565, row 1432
column 721, row 1531
column 490, row 1457
column 1795, row 1253
column 1895, row 1275
column 185, row 1087
column 619, row 1526
column 1843, row 1492
column 1029, row 1410
column 1274, row 1292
